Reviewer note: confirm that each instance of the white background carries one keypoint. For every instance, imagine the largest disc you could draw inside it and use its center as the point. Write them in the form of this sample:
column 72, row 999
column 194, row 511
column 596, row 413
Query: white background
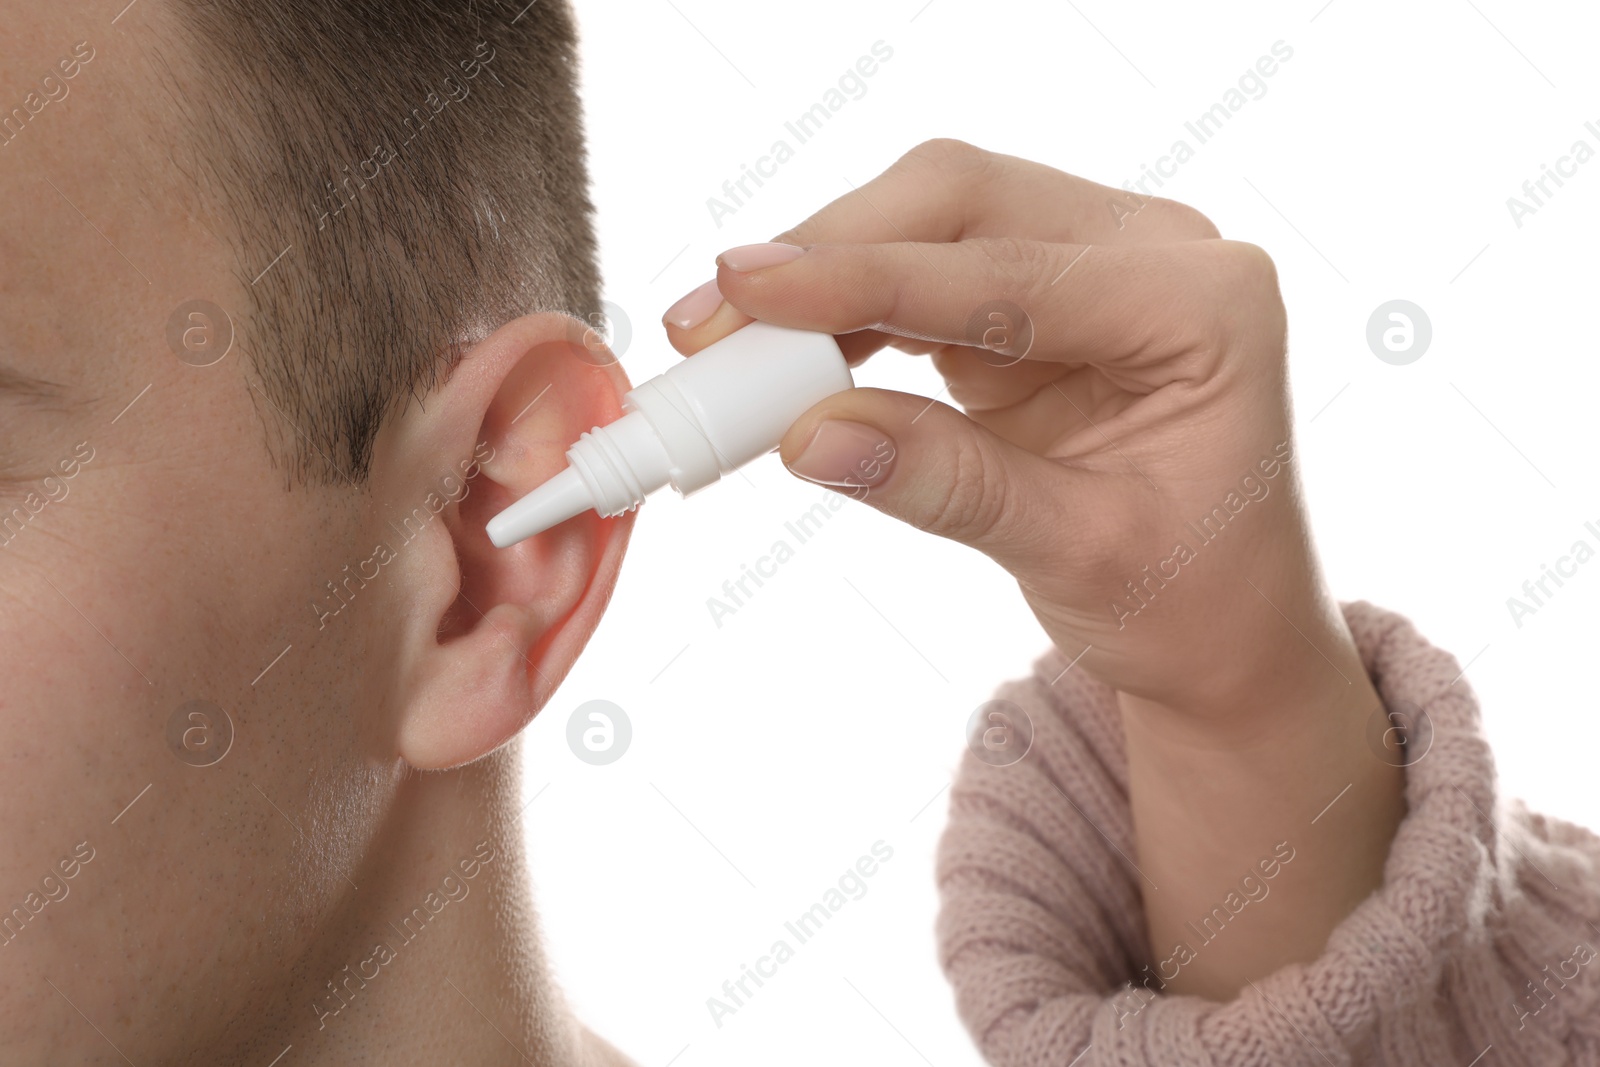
column 828, row 713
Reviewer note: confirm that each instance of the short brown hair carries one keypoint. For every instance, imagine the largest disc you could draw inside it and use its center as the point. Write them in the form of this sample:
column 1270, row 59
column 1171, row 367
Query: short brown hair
column 419, row 168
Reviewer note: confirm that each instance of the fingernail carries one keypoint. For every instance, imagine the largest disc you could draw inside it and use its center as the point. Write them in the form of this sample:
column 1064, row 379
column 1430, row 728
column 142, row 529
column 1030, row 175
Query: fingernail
column 695, row 307
column 754, row 257
column 845, row 453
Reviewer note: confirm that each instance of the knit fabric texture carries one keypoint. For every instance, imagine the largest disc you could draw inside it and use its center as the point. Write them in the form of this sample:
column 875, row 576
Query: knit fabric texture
column 1478, row 948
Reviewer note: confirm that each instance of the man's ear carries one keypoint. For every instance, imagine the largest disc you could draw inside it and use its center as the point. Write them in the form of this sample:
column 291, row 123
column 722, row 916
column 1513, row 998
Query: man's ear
column 488, row 633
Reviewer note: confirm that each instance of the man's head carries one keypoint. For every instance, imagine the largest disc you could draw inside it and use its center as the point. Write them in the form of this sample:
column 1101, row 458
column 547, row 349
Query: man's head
column 419, row 168
column 287, row 297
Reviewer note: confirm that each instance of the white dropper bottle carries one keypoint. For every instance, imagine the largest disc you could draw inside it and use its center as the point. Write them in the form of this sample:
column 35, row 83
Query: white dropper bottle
column 713, row 412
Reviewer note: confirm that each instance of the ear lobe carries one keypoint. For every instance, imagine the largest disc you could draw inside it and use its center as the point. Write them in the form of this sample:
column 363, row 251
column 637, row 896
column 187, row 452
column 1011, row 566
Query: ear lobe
column 493, row 631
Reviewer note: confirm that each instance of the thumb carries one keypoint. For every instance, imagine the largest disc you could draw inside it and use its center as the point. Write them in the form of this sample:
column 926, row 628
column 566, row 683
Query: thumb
column 929, row 465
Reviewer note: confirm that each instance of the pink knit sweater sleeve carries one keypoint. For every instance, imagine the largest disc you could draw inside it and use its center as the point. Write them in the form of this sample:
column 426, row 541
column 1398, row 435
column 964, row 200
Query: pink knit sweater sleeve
column 1479, row 948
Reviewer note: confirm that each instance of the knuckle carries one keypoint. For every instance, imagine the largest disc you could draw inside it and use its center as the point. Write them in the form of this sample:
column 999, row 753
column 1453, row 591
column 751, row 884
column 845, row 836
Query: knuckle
column 1168, row 219
column 1173, row 219
column 1248, row 266
column 1246, row 280
column 950, row 161
column 951, row 156
column 1250, row 272
column 1190, row 221
column 973, row 502
column 1011, row 254
column 1015, row 265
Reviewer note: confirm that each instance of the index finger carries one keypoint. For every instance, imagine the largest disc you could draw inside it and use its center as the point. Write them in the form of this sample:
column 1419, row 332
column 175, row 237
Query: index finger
column 947, row 190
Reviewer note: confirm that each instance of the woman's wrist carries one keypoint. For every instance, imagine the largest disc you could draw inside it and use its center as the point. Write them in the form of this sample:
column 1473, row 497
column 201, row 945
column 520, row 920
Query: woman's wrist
column 1289, row 770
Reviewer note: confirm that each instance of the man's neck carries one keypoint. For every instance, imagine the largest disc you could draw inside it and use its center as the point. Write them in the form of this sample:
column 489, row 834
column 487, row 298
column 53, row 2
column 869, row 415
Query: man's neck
column 432, row 955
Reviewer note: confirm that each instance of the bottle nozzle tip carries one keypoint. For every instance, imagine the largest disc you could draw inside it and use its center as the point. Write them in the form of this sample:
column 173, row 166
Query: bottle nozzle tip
column 554, row 502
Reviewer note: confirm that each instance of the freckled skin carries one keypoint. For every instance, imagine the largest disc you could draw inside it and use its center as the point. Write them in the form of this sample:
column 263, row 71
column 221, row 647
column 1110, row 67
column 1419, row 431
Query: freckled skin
column 220, row 900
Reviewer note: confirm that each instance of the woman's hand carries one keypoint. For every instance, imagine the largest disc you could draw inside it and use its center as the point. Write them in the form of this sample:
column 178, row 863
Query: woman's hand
column 1126, row 454
column 1126, row 450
